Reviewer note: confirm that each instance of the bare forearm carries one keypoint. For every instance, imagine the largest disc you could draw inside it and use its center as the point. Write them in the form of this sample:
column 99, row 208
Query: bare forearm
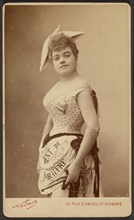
column 86, row 145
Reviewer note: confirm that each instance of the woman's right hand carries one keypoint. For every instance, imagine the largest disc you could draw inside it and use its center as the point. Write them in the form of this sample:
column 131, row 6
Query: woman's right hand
column 73, row 172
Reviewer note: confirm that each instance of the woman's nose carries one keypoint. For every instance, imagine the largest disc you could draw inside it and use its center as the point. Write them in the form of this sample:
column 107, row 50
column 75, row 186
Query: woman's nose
column 62, row 60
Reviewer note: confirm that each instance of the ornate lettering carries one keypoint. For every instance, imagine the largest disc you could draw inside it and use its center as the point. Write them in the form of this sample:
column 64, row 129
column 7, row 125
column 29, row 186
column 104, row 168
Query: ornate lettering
column 61, row 164
column 45, row 160
column 56, row 145
column 55, row 170
column 49, row 151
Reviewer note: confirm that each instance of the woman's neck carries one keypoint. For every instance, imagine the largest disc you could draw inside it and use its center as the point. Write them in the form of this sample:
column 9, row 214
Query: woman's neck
column 69, row 77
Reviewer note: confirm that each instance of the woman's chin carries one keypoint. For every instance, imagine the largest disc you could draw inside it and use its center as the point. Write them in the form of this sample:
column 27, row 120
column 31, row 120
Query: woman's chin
column 64, row 73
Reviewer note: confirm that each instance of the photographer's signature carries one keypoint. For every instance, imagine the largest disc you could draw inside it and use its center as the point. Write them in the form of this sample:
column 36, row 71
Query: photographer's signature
column 27, row 204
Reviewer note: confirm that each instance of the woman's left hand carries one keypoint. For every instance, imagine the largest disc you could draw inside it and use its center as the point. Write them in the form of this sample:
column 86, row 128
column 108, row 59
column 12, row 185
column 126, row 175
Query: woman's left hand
column 73, row 173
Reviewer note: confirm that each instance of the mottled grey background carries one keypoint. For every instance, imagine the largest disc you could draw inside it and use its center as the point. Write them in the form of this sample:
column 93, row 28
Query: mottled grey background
column 103, row 60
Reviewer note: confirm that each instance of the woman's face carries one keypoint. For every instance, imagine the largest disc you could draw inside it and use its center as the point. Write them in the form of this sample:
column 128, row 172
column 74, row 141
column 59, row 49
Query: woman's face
column 64, row 61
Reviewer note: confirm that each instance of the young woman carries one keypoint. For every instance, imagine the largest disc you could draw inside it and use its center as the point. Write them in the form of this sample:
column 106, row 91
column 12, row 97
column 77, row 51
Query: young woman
column 68, row 162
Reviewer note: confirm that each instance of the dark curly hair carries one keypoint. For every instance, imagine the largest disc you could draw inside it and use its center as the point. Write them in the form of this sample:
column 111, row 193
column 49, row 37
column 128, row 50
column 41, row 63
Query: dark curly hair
column 60, row 41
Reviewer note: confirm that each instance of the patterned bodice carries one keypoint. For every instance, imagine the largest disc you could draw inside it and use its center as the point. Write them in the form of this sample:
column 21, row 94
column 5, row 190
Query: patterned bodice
column 63, row 108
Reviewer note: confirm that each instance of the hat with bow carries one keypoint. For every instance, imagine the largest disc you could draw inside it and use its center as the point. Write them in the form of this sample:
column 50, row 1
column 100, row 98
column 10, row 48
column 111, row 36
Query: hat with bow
column 45, row 49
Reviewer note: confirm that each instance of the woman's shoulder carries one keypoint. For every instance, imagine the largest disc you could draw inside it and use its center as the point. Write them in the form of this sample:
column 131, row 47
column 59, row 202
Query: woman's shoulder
column 82, row 84
column 79, row 86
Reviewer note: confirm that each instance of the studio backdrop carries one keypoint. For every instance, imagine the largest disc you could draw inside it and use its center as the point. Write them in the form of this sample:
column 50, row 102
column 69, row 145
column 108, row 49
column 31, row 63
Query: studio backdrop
column 104, row 60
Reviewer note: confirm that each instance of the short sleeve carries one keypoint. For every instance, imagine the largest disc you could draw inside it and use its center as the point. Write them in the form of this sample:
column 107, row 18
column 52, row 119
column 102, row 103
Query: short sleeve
column 82, row 87
column 87, row 87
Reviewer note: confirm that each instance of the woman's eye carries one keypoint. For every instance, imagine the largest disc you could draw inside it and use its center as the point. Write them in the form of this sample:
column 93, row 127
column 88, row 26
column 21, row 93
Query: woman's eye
column 55, row 58
column 67, row 55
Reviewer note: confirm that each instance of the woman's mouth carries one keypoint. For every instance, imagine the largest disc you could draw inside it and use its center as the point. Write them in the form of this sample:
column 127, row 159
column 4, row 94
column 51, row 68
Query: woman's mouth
column 63, row 66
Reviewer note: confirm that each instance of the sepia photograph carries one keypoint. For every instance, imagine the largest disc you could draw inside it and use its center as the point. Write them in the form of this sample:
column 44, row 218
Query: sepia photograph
column 66, row 109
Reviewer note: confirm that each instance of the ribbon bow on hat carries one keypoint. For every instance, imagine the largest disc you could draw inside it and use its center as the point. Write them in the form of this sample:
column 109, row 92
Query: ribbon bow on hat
column 44, row 55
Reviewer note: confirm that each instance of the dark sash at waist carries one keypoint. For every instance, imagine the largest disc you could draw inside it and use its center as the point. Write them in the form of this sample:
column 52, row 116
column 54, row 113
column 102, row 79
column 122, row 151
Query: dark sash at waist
column 49, row 138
